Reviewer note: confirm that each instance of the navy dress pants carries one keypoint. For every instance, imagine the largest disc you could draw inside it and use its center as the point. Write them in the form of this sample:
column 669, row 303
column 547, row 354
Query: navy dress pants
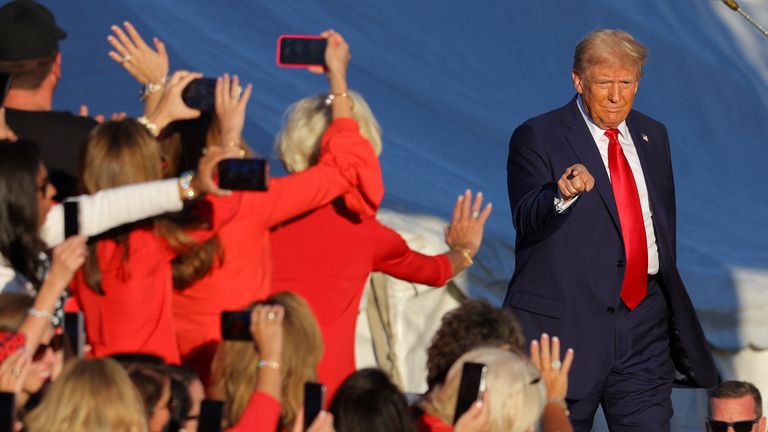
column 635, row 387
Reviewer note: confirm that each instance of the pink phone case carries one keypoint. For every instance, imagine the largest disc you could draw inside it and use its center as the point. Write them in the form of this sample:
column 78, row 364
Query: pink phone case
column 292, row 65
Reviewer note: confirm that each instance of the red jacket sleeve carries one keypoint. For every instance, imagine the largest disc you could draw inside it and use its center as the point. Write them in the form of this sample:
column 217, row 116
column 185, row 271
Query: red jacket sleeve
column 261, row 414
column 395, row 258
column 347, row 164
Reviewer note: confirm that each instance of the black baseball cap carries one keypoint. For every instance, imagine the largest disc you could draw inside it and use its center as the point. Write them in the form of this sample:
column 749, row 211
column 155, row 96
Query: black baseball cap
column 28, row 30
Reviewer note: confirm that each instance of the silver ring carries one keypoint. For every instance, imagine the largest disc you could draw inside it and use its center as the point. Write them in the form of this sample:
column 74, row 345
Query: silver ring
column 126, row 59
column 557, row 364
column 271, row 316
column 238, row 92
column 475, row 214
column 16, row 371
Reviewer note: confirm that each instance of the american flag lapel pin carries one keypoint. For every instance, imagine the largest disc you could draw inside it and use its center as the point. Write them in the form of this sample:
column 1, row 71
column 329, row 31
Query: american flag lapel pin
column 645, row 137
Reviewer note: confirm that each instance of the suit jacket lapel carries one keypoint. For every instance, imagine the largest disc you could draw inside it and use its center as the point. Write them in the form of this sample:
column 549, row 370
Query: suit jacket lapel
column 647, row 159
column 578, row 136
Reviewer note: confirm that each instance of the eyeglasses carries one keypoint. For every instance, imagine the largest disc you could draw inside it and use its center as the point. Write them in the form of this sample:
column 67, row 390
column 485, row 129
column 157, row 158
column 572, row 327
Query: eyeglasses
column 43, row 188
column 55, row 344
column 739, row 426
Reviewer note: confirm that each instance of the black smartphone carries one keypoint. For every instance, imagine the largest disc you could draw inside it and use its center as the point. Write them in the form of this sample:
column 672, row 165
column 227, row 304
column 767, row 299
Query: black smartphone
column 244, row 174
column 301, row 51
column 211, row 412
column 74, row 329
column 7, row 412
column 200, row 94
column 314, row 401
column 471, row 388
column 5, row 85
column 236, row 325
column 71, row 218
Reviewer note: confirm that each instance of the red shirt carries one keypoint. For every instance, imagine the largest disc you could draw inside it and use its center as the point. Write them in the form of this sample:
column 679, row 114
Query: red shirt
column 326, row 257
column 135, row 313
column 261, row 414
column 347, row 160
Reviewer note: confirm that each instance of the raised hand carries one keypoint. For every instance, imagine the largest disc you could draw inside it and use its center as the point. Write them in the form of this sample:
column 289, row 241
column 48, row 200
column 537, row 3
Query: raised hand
column 171, row 107
column 466, row 228
column 147, row 65
column 230, row 101
column 203, row 182
column 554, row 373
column 575, row 180
column 13, row 372
column 267, row 331
column 476, row 419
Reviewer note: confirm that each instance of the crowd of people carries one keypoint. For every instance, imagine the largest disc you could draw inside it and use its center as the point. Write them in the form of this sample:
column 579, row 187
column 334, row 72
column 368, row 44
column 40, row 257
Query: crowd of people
column 162, row 254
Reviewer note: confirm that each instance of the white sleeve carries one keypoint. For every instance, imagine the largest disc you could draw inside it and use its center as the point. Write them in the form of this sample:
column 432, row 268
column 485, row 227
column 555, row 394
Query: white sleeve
column 562, row 205
column 110, row 208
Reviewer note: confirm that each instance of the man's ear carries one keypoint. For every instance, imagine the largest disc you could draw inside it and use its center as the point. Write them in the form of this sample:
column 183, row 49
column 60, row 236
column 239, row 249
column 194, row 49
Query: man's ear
column 56, row 69
column 578, row 84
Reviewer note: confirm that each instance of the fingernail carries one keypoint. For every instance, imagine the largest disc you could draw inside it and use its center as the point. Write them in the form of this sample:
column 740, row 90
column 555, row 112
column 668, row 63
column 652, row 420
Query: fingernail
column 555, row 339
column 534, row 342
column 544, row 335
column 570, row 350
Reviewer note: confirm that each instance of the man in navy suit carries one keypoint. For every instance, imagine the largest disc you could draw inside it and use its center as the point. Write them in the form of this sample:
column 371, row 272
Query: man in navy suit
column 593, row 204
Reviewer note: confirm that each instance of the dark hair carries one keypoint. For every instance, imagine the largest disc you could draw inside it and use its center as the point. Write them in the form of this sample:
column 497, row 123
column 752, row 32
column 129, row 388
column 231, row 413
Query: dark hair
column 367, row 401
column 13, row 310
column 20, row 241
column 474, row 323
column 28, row 74
column 736, row 390
column 181, row 378
column 149, row 380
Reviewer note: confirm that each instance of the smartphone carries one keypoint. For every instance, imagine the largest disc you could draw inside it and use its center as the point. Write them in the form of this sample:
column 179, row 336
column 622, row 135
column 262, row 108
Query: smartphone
column 210, row 416
column 200, row 94
column 244, row 174
column 74, row 329
column 5, row 85
column 471, row 388
column 236, row 325
column 301, row 51
column 314, row 401
column 7, row 412
column 71, row 218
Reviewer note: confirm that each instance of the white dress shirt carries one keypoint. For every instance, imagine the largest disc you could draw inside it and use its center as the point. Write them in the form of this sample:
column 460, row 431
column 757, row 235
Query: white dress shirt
column 630, row 152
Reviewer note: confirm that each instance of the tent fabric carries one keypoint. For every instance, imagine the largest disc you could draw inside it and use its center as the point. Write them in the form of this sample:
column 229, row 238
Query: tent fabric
column 449, row 81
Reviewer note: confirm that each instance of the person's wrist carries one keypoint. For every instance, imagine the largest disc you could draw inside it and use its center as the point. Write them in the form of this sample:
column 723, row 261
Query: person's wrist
column 559, row 401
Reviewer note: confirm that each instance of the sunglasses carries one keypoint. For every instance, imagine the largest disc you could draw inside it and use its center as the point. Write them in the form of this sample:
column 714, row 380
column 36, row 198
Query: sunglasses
column 56, row 344
column 739, row 426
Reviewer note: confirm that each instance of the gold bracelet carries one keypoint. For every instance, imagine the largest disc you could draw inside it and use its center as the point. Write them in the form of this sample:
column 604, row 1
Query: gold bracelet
column 268, row 363
column 467, row 253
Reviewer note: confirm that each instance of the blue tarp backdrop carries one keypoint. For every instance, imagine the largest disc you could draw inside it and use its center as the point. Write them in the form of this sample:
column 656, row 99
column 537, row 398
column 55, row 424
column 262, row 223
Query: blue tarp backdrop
column 450, row 80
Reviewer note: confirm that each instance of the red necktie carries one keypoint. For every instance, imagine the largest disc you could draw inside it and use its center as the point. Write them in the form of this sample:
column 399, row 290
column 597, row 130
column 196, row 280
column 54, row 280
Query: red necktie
column 635, row 283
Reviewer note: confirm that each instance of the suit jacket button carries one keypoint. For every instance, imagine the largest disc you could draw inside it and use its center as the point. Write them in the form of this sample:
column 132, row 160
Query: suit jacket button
column 610, row 310
column 620, row 263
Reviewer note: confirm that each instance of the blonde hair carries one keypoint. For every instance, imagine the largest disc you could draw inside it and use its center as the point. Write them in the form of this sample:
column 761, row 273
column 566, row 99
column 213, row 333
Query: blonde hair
column 234, row 372
column 516, row 396
column 304, row 123
column 609, row 46
column 90, row 395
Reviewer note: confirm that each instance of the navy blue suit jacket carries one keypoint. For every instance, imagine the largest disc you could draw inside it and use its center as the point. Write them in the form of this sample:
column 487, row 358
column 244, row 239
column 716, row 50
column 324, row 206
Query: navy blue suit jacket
column 569, row 267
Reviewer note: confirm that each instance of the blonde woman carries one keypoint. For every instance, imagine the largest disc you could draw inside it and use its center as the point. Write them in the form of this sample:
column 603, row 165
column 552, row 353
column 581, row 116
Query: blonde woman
column 514, row 400
column 274, row 366
column 90, row 395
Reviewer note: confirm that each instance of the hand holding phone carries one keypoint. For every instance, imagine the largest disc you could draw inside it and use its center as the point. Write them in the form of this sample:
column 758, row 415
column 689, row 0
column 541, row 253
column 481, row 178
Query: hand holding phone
column 472, row 387
column 301, row 51
column 314, row 401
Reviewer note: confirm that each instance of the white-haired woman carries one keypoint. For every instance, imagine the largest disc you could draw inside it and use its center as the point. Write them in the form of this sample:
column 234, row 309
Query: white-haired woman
column 515, row 395
column 327, row 254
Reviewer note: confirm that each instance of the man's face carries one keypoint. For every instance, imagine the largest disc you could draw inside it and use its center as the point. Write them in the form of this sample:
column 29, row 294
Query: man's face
column 607, row 91
column 735, row 410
